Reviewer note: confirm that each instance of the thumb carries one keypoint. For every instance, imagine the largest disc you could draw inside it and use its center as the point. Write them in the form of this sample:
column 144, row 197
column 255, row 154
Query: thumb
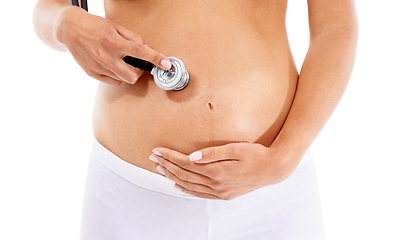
column 214, row 154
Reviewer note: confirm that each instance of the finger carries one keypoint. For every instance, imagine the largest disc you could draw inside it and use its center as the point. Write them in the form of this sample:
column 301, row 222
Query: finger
column 111, row 61
column 196, row 194
column 120, row 69
column 101, row 71
column 183, row 161
column 141, row 51
column 214, row 154
column 186, row 184
column 182, row 174
column 127, row 72
column 136, row 70
column 109, row 79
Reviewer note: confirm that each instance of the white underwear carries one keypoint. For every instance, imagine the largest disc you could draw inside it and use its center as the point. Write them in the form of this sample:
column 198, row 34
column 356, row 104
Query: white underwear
column 125, row 202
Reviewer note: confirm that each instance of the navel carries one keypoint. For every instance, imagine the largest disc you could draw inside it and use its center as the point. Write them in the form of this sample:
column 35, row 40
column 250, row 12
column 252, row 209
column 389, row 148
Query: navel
column 210, row 105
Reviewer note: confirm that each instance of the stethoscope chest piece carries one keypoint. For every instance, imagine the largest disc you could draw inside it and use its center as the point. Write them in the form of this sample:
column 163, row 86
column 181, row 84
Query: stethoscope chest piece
column 176, row 78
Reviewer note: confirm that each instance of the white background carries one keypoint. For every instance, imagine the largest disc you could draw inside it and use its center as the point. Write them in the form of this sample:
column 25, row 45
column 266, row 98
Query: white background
column 46, row 104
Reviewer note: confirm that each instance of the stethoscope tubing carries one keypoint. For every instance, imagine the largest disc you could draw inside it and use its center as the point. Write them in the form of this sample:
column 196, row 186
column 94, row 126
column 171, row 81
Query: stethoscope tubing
column 83, row 2
column 139, row 63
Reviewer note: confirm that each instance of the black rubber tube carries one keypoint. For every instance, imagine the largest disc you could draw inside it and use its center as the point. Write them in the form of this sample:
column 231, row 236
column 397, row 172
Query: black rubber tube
column 75, row 3
column 139, row 63
column 84, row 5
column 83, row 2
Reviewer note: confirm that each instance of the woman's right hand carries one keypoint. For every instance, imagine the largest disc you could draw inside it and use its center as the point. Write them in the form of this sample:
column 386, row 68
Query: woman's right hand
column 99, row 45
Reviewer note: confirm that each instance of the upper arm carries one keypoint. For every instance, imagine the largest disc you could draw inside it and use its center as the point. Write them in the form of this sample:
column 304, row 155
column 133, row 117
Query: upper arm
column 328, row 15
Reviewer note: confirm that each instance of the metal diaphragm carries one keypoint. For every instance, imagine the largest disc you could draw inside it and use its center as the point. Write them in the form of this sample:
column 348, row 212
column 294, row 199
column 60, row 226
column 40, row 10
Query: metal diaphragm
column 176, row 78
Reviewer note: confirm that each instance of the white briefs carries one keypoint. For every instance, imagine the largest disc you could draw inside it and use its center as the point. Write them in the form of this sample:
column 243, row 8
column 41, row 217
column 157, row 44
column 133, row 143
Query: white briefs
column 125, row 202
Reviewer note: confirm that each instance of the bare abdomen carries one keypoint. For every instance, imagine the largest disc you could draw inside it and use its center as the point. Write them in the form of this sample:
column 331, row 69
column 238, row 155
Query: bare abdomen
column 242, row 83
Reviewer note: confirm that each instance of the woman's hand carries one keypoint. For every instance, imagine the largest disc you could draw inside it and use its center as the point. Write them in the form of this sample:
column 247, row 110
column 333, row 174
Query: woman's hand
column 99, row 45
column 222, row 172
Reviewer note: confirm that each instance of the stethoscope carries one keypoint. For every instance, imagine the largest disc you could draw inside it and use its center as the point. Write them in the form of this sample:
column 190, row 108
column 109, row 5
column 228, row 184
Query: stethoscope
column 176, row 78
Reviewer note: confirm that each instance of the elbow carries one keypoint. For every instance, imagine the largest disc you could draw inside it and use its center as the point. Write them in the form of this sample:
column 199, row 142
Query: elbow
column 43, row 26
column 348, row 31
column 347, row 28
column 352, row 30
column 35, row 22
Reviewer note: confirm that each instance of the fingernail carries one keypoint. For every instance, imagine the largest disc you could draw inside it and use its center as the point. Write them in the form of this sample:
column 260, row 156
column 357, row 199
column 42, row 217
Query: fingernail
column 177, row 187
column 195, row 155
column 166, row 63
column 156, row 152
column 153, row 158
column 161, row 170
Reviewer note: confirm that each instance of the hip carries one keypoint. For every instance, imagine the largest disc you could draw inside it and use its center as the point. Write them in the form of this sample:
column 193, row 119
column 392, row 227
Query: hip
column 123, row 201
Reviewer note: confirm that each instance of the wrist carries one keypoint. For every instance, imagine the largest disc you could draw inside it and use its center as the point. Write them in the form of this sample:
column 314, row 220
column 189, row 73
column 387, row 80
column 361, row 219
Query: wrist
column 288, row 155
column 290, row 145
column 63, row 24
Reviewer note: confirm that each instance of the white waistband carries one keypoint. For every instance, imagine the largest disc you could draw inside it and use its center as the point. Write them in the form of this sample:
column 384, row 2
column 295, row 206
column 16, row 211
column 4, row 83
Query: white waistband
column 135, row 175
column 144, row 178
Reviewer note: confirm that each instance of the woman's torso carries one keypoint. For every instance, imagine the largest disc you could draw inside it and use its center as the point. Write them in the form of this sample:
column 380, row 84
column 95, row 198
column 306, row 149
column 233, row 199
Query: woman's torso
column 242, row 78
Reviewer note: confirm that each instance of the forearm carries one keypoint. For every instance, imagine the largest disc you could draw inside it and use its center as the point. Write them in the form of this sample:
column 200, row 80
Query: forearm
column 322, row 81
column 46, row 19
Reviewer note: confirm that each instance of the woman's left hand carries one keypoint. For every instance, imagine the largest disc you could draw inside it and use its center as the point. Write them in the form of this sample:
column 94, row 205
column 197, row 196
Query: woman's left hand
column 221, row 172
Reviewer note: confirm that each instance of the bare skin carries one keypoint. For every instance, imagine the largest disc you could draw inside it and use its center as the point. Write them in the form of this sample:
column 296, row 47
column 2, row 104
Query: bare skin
column 240, row 107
